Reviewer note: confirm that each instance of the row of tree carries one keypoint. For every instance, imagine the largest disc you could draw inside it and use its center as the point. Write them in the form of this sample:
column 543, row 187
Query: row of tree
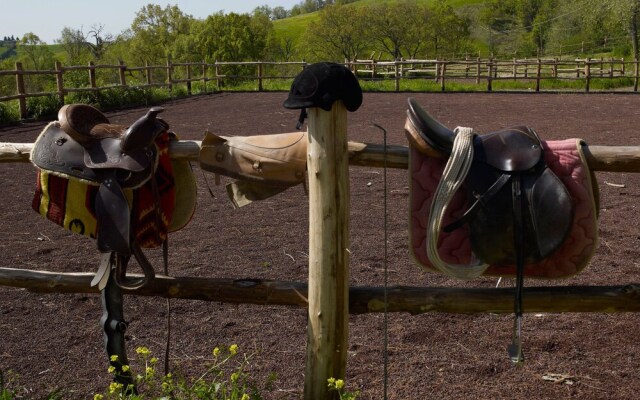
column 391, row 29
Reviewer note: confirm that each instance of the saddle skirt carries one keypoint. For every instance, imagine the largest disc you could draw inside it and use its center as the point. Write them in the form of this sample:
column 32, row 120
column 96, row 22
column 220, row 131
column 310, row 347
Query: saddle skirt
column 564, row 158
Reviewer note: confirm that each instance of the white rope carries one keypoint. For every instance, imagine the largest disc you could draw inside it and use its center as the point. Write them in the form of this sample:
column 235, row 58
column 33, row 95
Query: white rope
column 454, row 174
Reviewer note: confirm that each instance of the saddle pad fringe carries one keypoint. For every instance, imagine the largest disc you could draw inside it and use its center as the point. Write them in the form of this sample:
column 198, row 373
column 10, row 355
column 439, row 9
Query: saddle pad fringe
column 564, row 158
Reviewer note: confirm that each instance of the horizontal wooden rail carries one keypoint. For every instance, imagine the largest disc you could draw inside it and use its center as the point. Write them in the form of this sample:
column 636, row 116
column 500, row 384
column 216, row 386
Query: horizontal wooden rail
column 362, row 299
column 599, row 158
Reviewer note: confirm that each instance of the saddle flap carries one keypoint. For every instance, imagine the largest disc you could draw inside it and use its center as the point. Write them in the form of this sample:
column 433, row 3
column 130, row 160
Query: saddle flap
column 551, row 211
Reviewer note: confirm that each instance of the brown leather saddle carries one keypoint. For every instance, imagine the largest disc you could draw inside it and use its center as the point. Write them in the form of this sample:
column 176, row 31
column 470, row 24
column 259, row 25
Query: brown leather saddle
column 83, row 145
column 519, row 213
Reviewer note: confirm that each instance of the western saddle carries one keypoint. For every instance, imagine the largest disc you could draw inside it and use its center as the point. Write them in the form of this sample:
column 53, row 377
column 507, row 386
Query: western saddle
column 83, row 145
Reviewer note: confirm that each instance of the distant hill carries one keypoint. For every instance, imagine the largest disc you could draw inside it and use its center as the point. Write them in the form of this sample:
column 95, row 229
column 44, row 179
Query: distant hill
column 7, row 49
column 294, row 27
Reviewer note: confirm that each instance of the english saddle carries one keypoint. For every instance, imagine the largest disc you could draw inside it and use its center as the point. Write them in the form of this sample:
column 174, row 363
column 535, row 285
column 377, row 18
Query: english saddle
column 518, row 213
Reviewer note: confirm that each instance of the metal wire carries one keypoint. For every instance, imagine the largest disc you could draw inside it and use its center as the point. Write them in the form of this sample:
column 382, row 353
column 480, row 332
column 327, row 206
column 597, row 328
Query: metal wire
column 385, row 353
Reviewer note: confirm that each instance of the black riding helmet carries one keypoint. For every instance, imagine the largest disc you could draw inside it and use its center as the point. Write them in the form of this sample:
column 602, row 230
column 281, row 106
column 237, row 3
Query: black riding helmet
column 320, row 84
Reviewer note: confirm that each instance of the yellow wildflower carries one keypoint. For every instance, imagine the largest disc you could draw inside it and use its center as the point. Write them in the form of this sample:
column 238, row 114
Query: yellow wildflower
column 331, row 382
column 111, row 369
column 125, row 368
column 153, row 360
column 216, row 351
column 234, row 377
column 115, row 387
column 113, row 358
column 233, row 349
column 98, row 396
column 339, row 384
column 143, row 351
column 245, row 397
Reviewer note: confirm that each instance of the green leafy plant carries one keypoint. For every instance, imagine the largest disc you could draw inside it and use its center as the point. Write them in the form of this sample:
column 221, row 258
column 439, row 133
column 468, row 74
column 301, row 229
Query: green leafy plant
column 225, row 378
column 9, row 113
column 338, row 385
column 5, row 392
column 45, row 107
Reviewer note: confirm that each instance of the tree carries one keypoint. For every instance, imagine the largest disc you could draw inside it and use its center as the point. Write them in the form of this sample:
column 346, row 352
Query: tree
column 449, row 32
column 35, row 52
column 73, row 41
column 155, row 29
column 233, row 37
column 338, row 33
column 399, row 29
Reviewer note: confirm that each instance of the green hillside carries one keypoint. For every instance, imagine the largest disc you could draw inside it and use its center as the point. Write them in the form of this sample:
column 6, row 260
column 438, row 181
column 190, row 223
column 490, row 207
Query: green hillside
column 7, row 49
column 294, row 28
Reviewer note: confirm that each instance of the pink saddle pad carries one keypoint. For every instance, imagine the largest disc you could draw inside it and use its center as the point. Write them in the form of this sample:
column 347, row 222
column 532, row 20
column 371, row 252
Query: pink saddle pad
column 566, row 160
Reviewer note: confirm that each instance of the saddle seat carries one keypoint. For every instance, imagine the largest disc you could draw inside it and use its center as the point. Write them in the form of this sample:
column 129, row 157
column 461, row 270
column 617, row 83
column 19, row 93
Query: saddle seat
column 108, row 145
column 509, row 150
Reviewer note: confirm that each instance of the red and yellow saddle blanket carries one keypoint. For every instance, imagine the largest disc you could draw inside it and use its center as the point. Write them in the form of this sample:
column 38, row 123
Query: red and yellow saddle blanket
column 565, row 158
column 70, row 202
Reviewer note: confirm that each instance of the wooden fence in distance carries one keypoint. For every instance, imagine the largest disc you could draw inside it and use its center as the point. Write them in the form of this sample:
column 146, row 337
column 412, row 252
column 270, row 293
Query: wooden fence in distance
column 490, row 70
column 475, row 71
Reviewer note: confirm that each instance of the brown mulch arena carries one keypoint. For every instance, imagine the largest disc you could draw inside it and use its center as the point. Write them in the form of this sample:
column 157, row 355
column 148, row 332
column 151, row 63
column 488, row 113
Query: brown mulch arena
column 50, row 341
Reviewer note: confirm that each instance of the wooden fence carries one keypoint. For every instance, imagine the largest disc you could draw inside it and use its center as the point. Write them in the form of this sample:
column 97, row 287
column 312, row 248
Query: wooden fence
column 148, row 76
column 489, row 70
column 477, row 71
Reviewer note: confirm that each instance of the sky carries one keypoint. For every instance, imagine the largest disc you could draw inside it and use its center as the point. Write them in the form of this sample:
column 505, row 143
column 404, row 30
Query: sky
column 47, row 18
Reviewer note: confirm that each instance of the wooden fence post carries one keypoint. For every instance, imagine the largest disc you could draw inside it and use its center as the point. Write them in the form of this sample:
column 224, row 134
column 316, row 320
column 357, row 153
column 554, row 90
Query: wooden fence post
column 217, row 67
column 189, row 79
column 204, row 76
column 635, row 74
column 466, row 66
column 397, row 74
column 22, row 101
column 489, row 74
column 577, row 68
column 478, row 71
column 327, row 331
column 170, row 74
column 515, row 70
column 147, row 70
column 92, row 76
column 59, row 81
column 443, row 74
column 611, row 67
column 123, row 79
column 538, row 72
column 260, row 72
column 587, row 74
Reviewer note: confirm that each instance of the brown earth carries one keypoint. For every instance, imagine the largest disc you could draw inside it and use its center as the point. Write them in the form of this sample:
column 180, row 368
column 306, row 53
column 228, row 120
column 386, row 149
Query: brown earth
column 48, row 341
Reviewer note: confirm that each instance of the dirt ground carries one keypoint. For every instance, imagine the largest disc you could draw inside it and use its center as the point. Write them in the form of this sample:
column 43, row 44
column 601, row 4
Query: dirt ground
column 48, row 341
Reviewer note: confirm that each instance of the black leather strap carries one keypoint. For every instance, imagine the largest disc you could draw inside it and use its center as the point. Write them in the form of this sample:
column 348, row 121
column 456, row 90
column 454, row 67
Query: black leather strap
column 515, row 349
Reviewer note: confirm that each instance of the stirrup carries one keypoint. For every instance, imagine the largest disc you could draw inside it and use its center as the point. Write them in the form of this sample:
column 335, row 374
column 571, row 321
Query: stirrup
column 120, row 276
